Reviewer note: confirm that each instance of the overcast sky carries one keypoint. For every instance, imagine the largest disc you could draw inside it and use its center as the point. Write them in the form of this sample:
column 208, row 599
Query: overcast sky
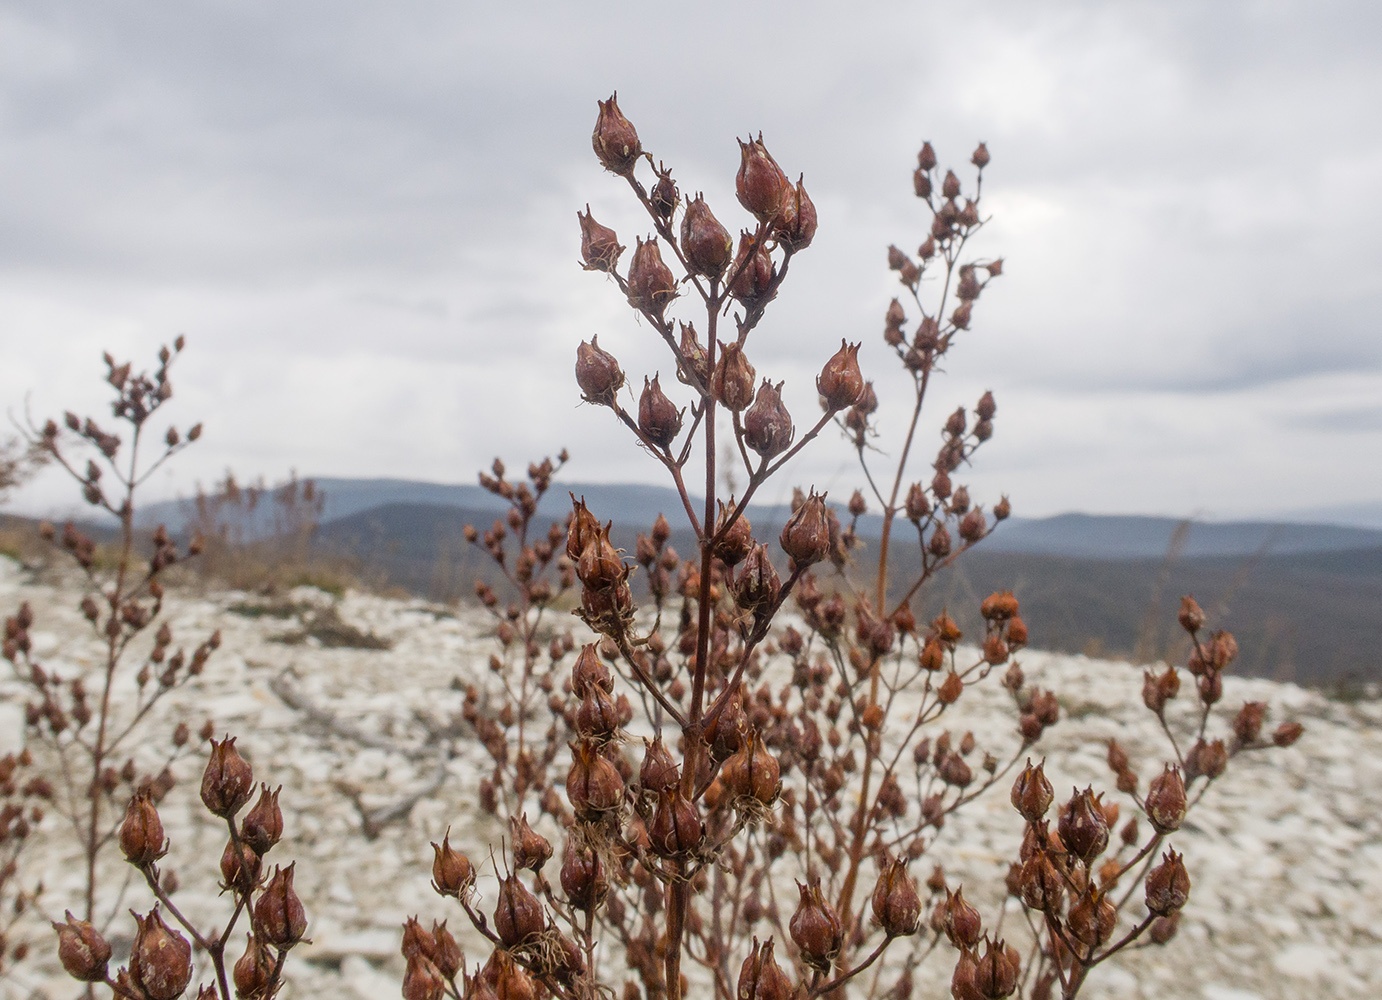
column 362, row 216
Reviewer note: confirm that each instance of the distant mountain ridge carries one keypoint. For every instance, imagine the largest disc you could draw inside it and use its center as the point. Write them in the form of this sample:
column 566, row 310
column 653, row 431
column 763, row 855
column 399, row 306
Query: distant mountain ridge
column 636, row 506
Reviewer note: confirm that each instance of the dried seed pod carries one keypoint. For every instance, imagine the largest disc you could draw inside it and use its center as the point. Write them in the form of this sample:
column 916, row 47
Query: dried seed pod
column 239, row 870
column 806, row 535
column 1082, row 826
column 84, row 953
column 1032, row 792
column 896, row 905
column 253, row 972
column 760, row 184
column 1286, row 734
column 737, row 542
column 757, row 586
column 531, row 850
column 598, row 374
column 664, row 197
column 583, row 876
column 768, row 426
column 1092, row 918
column 446, row 954
column 1168, row 885
column 815, row 927
column 518, row 916
column 705, row 243
column 1247, row 724
column 794, row 227
column 279, row 912
column 452, row 872
column 1191, row 615
column 589, row 673
column 422, row 980
column 695, row 359
column 615, row 140
column 160, row 960
column 659, row 770
column 600, row 248
column 263, row 825
column 651, row 283
column 658, row 417
column 676, row 829
column 732, row 383
column 141, row 834
column 760, row 977
column 753, row 271
column 995, row 974
column 1042, row 887
column 1165, row 803
column 593, row 784
column 840, row 382
column 227, row 782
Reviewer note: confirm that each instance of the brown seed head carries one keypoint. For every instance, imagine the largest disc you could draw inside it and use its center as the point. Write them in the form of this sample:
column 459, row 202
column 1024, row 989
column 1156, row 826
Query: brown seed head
column 141, row 834
column 598, row 374
column 1287, row 733
column 768, row 426
column 589, row 673
column 840, row 382
column 422, row 980
column 795, row 224
column 600, row 248
column 650, row 283
column 760, row 977
column 735, row 543
column 995, row 975
column 1032, row 792
column 531, row 850
column 760, row 184
column 658, row 417
column 732, row 383
column 161, row 959
column 1042, row 887
column 583, row 876
column 253, row 972
column 705, row 243
column 962, row 923
column 81, row 949
column 1165, row 802
column 227, row 782
column 279, row 912
column 1092, row 918
column 806, row 535
column 615, row 141
column 815, row 927
column 1168, row 885
column 263, row 825
column 1247, row 725
column 1191, row 617
column 518, row 916
column 1082, row 826
column 676, row 829
column 593, row 784
column 452, row 872
column 896, row 905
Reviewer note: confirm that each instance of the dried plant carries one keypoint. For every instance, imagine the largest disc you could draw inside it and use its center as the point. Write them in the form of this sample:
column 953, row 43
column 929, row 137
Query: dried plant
column 789, row 710
column 94, row 761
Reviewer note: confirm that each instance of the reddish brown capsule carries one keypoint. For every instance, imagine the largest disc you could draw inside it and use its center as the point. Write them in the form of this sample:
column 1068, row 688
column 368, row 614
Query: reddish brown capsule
column 1032, row 792
column 995, row 974
column 1190, row 616
column 161, row 959
column 795, row 224
column 452, row 872
column 600, row 248
column 659, row 770
column 753, row 271
column 583, row 876
column 279, row 911
column 598, row 374
column 1168, row 885
column 615, row 141
column 757, row 586
column 896, row 905
column 141, row 834
column 531, row 850
column 840, row 382
column 1287, row 733
column 806, row 535
column 706, row 244
column 760, row 977
column 1165, row 802
column 253, row 972
column 815, row 927
column 1042, row 887
column 81, row 949
column 651, row 283
column 732, row 383
column 658, row 417
column 227, row 782
column 422, row 980
column 239, row 870
column 1082, row 826
column 768, row 426
column 263, row 825
column 760, row 184
column 735, row 543
column 518, row 915
column 593, row 784
column 1247, row 725
column 676, row 828
column 589, row 672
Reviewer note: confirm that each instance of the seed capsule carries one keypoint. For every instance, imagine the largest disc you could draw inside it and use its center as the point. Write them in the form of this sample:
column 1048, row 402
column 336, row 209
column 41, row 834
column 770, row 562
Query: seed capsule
column 227, row 782
column 995, row 975
column 651, row 284
column 279, row 911
column 795, row 224
column 263, row 825
column 452, row 872
column 705, row 243
column 760, row 977
column 1168, row 885
column 658, row 417
column 141, row 834
column 896, row 905
column 253, row 972
column 600, row 248
column 1165, row 802
column 1082, row 826
column 81, row 949
column 768, row 426
column 676, row 828
column 659, row 770
column 1032, row 792
column 531, row 850
column 598, row 374
column 840, row 382
column 806, row 535
column 760, row 184
column 615, row 141
column 815, row 927
column 161, row 959
column 732, row 383
column 518, row 915
column 593, row 784
column 583, row 876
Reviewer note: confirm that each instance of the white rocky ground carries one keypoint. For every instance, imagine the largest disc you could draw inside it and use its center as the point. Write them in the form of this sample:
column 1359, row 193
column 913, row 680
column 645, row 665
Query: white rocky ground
column 1286, row 857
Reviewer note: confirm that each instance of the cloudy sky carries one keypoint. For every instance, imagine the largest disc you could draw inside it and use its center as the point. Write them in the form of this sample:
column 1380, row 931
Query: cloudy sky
column 362, row 216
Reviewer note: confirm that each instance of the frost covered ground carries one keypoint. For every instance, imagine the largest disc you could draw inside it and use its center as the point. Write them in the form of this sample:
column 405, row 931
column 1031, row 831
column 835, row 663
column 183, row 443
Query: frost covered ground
column 1286, row 858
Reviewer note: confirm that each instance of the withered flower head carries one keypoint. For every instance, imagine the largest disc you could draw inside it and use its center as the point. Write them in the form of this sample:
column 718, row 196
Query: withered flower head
column 1165, row 802
column 768, row 426
column 651, row 283
column 753, row 271
column 1092, row 918
column 597, row 373
column 240, row 870
column 452, row 872
column 706, row 244
column 896, row 905
column 659, row 770
column 676, row 829
column 161, row 959
column 1082, row 826
column 658, row 417
column 530, row 849
column 806, row 535
column 664, row 197
column 757, row 585
column 518, row 915
column 600, row 248
column 227, row 782
column 760, row 977
column 263, row 825
column 422, row 980
column 1042, row 887
column 593, row 784
column 253, row 972
column 583, row 529
column 590, row 673
column 752, row 771
column 995, row 974
column 141, row 834
column 615, row 141
column 694, row 354
column 732, row 383
column 795, row 224
column 737, row 542
column 1168, row 885
column 600, row 565
column 583, row 876
column 1032, row 792
column 82, row 950
column 1247, row 724
column 815, row 927
column 279, row 911
column 760, row 184
column 840, row 382
column 1191, row 615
